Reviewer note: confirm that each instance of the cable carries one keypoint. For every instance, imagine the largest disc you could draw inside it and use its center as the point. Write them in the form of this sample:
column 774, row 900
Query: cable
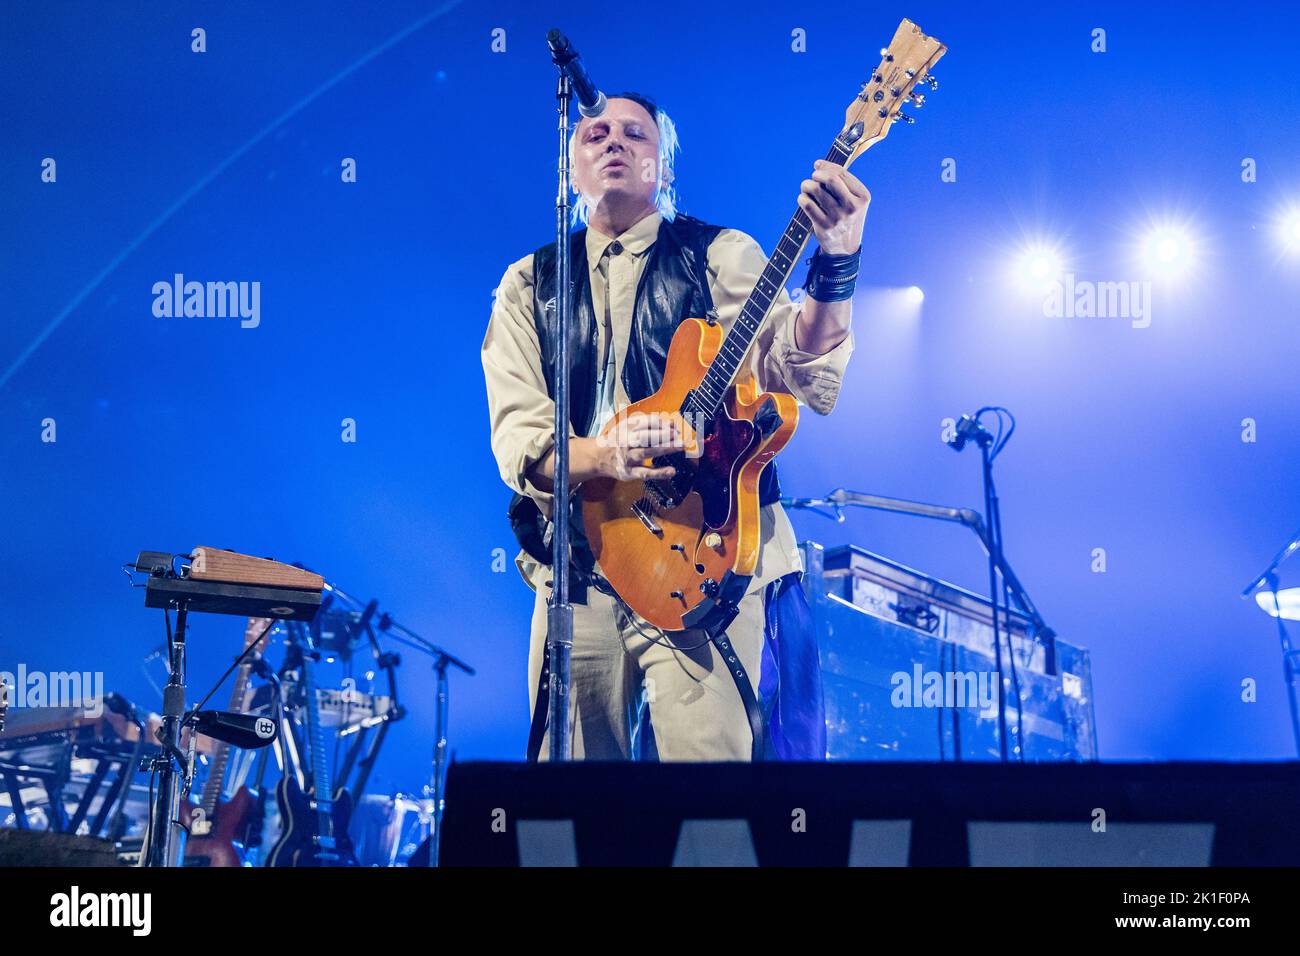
column 1002, row 439
column 995, row 525
column 998, row 443
column 238, row 660
column 148, row 831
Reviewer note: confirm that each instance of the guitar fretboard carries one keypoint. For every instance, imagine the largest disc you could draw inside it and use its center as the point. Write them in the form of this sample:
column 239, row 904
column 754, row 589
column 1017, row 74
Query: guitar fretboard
column 221, row 754
column 705, row 400
column 321, row 779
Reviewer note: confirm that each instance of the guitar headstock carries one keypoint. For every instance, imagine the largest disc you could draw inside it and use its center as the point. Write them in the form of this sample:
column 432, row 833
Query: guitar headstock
column 904, row 64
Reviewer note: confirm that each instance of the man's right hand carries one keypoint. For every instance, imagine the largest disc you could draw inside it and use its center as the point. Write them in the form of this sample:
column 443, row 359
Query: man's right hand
column 623, row 449
column 619, row 452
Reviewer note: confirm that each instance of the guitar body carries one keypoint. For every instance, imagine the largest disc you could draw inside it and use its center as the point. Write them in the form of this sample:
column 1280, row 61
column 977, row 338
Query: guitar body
column 709, row 510
column 298, row 844
column 217, row 846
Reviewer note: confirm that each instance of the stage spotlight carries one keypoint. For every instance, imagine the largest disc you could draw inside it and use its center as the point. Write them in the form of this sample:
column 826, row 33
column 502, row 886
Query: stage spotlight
column 1037, row 267
column 1288, row 230
column 915, row 294
column 1168, row 250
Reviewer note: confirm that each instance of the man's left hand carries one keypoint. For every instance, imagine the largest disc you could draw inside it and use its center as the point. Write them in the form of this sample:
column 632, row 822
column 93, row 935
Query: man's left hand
column 836, row 202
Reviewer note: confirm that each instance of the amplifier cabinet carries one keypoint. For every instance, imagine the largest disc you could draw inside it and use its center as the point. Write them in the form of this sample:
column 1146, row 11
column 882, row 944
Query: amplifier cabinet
column 908, row 668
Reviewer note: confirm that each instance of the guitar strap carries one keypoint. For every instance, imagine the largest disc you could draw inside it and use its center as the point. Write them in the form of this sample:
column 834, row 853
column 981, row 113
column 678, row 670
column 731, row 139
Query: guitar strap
column 753, row 713
column 537, row 730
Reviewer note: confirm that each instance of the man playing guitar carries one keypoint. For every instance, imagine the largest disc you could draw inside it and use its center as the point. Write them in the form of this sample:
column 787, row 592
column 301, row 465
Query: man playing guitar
column 636, row 241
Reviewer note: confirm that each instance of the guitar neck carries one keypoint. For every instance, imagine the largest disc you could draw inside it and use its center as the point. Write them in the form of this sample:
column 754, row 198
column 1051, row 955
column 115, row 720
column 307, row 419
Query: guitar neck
column 321, row 778
column 216, row 782
column 708, row 397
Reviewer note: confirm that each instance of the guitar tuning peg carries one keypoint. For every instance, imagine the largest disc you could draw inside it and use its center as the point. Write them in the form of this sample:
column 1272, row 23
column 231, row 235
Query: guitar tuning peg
column 930, row 81
column 904, row 117
column 916, row 99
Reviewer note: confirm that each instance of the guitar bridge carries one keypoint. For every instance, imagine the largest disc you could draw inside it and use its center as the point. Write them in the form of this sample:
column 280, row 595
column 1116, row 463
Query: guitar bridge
column 642, row 511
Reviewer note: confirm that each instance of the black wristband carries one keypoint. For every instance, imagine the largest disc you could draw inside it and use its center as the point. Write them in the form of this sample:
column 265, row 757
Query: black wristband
column 832, row 278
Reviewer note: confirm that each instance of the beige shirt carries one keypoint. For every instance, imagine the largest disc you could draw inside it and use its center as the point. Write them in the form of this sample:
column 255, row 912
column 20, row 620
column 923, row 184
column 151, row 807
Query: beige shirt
column 523, row 415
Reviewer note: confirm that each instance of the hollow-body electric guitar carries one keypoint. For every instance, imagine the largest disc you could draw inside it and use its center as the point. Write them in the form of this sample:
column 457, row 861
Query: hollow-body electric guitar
column 681, row 551
column 315, row 818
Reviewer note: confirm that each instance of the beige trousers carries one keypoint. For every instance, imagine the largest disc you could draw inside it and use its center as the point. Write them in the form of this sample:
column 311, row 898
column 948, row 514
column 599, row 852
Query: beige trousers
column 695, row 708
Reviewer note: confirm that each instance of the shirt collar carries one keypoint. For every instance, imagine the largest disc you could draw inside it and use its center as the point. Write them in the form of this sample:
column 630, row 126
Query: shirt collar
column 636, row 240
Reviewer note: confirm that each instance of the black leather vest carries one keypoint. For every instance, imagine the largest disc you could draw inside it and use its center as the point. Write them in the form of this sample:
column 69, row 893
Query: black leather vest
column 674, row 286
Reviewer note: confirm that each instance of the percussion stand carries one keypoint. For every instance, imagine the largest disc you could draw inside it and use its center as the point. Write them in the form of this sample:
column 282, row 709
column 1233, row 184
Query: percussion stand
column 165, row 849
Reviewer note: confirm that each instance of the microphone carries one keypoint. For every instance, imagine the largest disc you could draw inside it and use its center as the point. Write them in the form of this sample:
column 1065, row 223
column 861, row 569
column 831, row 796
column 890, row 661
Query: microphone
column 591, row 101
column 246, row 731
column 117, row 704
column 968, row 428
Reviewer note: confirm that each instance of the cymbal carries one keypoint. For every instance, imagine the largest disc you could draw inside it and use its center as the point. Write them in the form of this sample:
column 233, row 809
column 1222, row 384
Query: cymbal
column 1288, row 603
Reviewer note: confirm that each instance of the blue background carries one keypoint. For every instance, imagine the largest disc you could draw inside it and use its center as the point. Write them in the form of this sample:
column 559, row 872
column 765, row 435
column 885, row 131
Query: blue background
column 225, row 165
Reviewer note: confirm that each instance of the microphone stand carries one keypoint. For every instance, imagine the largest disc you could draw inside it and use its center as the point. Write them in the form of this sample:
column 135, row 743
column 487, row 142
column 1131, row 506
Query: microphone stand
column 995, row 558
column 559, row 620
column 442, row 660
column 1289, row 654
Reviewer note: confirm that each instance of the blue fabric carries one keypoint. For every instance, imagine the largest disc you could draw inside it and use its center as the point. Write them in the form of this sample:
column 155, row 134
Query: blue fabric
column 790, row 677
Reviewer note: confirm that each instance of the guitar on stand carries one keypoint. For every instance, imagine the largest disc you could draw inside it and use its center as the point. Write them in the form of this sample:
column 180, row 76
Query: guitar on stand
column 314, row 820
column 218, row 828
column 681, row 551
column 215, row 581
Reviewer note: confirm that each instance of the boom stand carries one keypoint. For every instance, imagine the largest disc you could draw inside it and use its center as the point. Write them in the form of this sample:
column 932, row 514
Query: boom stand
column 435, row 791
